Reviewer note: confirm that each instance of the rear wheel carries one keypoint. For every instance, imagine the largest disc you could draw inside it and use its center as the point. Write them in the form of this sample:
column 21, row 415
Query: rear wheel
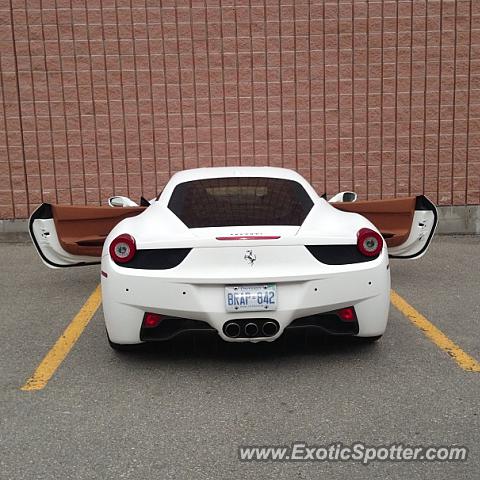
column 368, row 339
column 123, row 347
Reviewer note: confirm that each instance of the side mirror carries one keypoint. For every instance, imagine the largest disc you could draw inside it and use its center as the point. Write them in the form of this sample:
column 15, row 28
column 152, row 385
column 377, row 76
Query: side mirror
column 344, row 197
column 120, row 201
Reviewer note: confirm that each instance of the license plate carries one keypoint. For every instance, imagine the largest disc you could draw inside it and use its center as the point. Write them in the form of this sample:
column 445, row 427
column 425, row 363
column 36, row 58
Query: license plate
column 251, row 298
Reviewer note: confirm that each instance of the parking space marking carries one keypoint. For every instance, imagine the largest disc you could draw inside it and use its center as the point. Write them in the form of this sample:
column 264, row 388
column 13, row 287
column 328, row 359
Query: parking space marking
column 71, row 334
column 463, row 359
column 64, row 344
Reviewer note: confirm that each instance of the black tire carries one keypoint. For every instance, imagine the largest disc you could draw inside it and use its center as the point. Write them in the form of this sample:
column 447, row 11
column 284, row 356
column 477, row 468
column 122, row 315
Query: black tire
column 368, row 339
column 122, row 347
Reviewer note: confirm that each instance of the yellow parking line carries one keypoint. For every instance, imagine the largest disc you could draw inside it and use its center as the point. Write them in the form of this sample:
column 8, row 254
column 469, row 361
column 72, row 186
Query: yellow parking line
column 64, row 344
column 463, row 359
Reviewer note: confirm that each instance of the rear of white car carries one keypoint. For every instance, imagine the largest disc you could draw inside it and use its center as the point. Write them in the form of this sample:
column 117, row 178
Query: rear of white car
column 247, row 253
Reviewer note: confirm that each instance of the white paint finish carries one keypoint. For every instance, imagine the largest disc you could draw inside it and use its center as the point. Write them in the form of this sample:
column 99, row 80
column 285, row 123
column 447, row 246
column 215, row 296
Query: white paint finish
column 47, row 239
column 195, row 289
column 304, row 287
column 422, row 226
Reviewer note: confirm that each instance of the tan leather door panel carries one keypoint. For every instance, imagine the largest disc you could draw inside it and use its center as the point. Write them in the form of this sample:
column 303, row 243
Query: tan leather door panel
column 393, row 217
column 82, row 230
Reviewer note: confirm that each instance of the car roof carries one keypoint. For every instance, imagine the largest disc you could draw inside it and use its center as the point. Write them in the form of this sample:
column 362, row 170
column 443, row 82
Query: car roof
column 221, row 172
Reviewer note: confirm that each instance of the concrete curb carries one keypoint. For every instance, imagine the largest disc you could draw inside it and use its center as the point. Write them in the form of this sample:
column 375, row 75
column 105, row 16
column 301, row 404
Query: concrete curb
column 13, row 226
column 14, row 231
column 460, row 219
column 454, row 220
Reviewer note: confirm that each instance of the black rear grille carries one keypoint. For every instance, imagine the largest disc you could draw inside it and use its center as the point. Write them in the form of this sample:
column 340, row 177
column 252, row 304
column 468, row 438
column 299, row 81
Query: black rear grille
column 170, row 327
column 158, row 258
column 327, row 322
column 338, row 254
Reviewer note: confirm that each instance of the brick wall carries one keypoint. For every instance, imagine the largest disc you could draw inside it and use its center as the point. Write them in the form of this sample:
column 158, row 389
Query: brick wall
column 112, row 96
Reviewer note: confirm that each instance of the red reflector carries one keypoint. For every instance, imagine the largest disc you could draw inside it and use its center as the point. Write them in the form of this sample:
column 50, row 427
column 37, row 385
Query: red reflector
column 250, row 237
column 104, row 274
column 151, row 320
column 347, row 314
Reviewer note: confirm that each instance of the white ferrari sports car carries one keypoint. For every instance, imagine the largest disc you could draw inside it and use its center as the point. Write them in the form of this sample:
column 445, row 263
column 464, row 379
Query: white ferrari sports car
column 247, row 252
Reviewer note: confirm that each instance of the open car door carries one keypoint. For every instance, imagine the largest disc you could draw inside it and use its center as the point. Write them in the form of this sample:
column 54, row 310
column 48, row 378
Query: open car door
column 71, row 236
column 406, row 224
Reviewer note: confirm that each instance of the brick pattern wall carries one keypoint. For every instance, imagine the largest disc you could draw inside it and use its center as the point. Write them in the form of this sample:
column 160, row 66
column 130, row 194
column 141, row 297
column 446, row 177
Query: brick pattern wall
column 105, row 97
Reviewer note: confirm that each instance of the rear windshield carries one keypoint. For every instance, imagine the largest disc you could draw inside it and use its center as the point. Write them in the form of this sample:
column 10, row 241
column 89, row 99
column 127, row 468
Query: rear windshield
column 240, row 201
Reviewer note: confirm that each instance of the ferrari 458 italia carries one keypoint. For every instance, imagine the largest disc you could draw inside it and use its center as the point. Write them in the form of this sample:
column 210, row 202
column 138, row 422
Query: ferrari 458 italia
column 247, row 252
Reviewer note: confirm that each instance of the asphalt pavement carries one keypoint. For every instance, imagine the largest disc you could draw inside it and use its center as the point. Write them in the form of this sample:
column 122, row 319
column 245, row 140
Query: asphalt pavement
column 180, row 410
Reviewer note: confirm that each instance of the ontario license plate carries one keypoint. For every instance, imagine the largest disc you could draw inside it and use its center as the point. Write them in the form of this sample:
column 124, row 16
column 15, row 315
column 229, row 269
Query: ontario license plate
column 251, row 298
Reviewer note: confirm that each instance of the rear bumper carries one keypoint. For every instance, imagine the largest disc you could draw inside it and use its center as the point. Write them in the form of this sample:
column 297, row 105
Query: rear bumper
column 128, row 294
column 170, row 327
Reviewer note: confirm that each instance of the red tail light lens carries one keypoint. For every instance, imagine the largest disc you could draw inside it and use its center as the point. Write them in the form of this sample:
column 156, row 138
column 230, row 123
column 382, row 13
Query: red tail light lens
column 347, row 314
column 151, row 320
column 369, row 243
column 123, row 248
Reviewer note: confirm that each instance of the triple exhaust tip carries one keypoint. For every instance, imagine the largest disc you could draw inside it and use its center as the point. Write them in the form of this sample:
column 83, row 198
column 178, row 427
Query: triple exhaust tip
column 269, row 329
column 251, row 329
column 232, row 330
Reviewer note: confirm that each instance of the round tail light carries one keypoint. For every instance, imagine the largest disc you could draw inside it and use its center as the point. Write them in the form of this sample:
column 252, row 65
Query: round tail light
column 369, row 242
column 122, row 248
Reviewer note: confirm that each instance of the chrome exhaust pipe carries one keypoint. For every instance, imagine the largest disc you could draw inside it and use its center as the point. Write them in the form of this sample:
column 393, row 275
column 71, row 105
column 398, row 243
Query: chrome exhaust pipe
column 270, row 329
column 251, row 329
column 232, row 329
